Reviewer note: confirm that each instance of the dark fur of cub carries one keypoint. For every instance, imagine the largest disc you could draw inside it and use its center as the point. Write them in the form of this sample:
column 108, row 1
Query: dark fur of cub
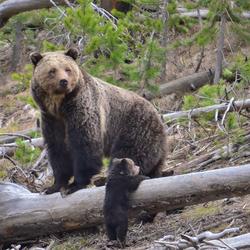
column 123, row 179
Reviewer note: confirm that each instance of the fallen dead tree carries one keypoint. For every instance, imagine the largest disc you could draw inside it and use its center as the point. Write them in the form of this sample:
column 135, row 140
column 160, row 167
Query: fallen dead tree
column 25, row 215
column 204, row 13
column 184, row 84
column 235, row 106
column 9, row 148
column 11, row 137
column 205, row 240
column 10, row 8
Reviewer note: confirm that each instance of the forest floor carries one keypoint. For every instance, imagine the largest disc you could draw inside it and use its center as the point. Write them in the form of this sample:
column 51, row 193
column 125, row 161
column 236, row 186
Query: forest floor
column 185, row 145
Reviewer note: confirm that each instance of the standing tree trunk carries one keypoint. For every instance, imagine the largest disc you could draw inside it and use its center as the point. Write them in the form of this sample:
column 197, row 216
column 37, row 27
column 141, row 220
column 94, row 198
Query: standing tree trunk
column 17, row 47
column 220, row 45
column 203, row 47
column 164, row 39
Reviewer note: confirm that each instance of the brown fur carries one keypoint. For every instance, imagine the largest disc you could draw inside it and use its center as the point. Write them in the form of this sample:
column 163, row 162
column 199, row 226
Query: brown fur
column 95, row 119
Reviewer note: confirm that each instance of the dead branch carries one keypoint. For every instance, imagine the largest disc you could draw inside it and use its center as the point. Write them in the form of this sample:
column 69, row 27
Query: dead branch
column 194, row 241
column 9, row 148
column 10, row 8
column 200, row 162
column 204, row 12
column 25, row 215
column 11, row 137
column 237, row 106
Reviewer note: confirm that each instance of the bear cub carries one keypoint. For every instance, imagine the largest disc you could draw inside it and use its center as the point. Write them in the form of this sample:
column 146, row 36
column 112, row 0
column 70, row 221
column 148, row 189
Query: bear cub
column 123, row 178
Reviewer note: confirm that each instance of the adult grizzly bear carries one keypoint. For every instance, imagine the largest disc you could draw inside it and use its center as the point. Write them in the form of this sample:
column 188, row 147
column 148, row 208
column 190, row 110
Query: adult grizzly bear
column 84, row 118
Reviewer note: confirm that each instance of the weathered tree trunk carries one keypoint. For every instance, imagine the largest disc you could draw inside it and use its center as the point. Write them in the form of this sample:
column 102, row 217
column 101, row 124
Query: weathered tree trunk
column 184, row 84
column 17, row 48
column 204, row 13
column 220, row 46
column 203, row 47
column 237, row 105
column 164, row 39
column 10, row 8
column 11, row 137
column 25, row 215
column 10, row 148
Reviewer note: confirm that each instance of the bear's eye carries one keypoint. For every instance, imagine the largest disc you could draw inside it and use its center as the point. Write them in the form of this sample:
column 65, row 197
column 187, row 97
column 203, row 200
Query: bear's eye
column 68, row 70
column 52, row 71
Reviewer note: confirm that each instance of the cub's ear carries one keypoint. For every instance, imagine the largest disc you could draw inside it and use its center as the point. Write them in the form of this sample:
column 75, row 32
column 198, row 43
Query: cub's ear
column 73, row 53
column 35, row 57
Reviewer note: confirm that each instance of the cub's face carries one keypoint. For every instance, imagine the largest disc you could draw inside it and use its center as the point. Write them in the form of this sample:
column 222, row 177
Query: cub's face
column 56, row 73
column 124, row 166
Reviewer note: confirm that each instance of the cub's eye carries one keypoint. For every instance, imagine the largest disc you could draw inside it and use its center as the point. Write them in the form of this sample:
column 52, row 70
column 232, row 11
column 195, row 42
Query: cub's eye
column 68, row 70
column 52, row 71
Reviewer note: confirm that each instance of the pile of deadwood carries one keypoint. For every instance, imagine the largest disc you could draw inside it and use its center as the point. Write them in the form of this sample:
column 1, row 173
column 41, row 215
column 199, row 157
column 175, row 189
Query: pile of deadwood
column 26, row 215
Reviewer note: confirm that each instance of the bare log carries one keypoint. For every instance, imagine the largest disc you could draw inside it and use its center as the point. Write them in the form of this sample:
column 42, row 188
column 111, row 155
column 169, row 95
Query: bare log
column 204, row 13
column 25, row 215
column 10, row 8
column 9, row 148
column 11, row 137
column 184, row 84
column 237, row 242
column 237, row 106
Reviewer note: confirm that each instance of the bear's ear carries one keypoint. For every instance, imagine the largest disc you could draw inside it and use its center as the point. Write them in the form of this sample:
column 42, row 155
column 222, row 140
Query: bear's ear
column 35, row 57
column 73, row 53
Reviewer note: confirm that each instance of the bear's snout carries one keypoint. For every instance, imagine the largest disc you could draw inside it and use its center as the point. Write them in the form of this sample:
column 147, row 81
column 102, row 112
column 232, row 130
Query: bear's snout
column 63, row 83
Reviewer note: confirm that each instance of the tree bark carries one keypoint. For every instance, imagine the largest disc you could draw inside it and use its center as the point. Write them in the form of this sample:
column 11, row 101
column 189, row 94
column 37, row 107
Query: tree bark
column 17, row 48
column 25, row 215
column 183, row 85
column 164, row 39
column 220, row 46
column 11, row 137
column 9, row 149
column 10, row 8
column 204, row 13
column 237, row 106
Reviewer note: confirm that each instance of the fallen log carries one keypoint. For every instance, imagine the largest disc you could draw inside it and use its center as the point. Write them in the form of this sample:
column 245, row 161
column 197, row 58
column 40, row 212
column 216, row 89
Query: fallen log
column 183, row 85
column 10, row 8
column 9, row 148
column 11, row 137
column 25, row 215
column 204, row 13
column 236, row 106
